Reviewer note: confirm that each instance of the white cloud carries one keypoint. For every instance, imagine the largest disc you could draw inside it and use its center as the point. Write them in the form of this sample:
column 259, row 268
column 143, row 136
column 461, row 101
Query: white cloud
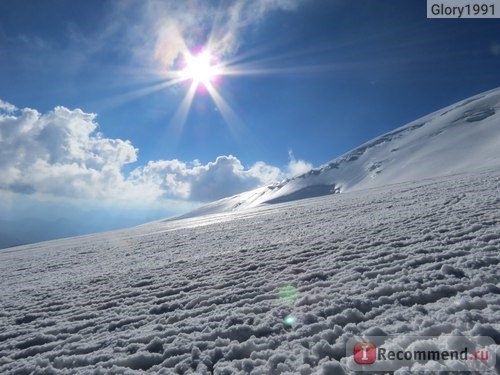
column 297, row 167
column 61, row 154
column 224, row 177
column 6, row 108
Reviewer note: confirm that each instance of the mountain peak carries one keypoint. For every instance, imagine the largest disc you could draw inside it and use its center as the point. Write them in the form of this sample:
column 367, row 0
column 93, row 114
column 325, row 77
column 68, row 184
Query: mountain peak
column 462, row 137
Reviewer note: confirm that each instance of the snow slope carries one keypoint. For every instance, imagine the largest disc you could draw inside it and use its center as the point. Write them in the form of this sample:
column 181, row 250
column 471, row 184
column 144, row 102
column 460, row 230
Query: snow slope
column 461, row 137
column 277, row 289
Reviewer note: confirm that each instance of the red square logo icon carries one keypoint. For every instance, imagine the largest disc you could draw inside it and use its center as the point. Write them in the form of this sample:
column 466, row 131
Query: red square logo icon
column 365, row 353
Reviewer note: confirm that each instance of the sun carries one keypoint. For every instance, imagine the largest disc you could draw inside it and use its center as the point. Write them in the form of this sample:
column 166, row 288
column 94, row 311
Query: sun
column 199, row 68
column 203, row 71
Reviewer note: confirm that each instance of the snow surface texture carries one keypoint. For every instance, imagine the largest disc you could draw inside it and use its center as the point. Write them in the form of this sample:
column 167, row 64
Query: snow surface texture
column 461, row 137
column 210, row 295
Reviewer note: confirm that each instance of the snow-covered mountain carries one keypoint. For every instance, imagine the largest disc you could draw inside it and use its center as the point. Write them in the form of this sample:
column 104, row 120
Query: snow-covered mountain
column 462, row 137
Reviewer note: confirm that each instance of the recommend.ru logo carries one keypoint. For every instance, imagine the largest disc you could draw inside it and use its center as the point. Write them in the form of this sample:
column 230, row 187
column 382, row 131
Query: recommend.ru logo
column 447, row 352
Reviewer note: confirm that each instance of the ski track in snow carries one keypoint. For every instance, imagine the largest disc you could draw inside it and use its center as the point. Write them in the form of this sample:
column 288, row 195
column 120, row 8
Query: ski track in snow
column 201, row 295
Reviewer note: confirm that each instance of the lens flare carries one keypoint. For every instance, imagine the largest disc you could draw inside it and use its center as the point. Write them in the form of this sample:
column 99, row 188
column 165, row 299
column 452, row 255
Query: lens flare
column 288, row 294
column 289, row 320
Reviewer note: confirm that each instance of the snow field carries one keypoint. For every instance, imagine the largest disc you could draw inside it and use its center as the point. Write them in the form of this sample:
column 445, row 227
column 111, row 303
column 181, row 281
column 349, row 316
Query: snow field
column 211, row 294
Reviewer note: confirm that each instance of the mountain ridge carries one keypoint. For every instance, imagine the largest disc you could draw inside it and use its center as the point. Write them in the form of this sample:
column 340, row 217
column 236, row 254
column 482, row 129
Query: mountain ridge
column 430, row 146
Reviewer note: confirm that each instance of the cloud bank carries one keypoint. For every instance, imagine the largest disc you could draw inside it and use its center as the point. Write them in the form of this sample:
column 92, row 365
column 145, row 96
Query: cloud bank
column 61, row 153
column 224, row 177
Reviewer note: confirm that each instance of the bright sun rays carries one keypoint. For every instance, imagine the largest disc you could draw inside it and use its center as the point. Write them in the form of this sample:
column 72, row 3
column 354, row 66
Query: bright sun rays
column 203, row 70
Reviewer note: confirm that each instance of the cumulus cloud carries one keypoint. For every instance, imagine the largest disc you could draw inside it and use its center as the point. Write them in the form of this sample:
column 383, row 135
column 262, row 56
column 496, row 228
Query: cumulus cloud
column 224, row 177
column 297, row 167
column 59, row 153
column 62, row 154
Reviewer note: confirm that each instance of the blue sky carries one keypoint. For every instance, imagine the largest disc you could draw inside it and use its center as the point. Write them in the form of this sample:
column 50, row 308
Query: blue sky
column 90, row 139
